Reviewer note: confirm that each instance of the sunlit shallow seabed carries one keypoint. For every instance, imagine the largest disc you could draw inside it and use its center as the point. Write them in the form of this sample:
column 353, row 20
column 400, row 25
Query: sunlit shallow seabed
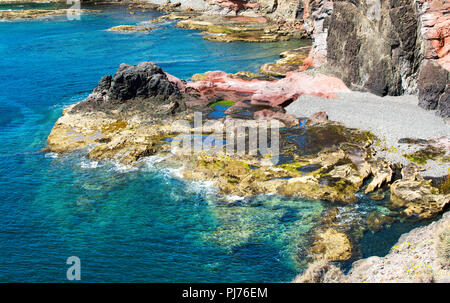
column 142, row 225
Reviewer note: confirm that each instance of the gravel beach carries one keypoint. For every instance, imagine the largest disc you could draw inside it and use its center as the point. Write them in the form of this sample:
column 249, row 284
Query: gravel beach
column 389, row 118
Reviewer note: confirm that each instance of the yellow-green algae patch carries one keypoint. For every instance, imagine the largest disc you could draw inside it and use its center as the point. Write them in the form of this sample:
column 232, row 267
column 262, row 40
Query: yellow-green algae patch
column 223, row 103
column 422, row 156
column 114, row 127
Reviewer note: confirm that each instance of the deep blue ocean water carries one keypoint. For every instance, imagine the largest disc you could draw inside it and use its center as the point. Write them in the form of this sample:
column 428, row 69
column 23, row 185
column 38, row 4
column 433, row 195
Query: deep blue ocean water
column 142, row 225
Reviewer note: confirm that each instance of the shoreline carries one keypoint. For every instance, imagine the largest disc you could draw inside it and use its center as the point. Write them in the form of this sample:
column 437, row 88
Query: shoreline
column 390, row 118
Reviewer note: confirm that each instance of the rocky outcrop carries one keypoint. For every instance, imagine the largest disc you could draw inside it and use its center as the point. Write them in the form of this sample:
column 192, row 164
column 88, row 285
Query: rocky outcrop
column 243, row 28
column 332, row 245
column 143, row 111
column 422, row 255
column 373, row 45
column 286, row 10
column 435, row 30
column 135, row 89
column 434, row 88
column 37, row 13
column 269, row 93
column 291, row 60
column 416, row 196
column 287, row 90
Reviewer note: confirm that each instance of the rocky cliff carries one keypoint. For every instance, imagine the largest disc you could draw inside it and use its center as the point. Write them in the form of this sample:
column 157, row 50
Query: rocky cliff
column 387, row 47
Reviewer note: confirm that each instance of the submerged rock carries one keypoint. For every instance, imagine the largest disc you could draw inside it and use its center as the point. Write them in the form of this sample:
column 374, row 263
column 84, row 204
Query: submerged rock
column 376, row 221
column 130, row 28
column 332, row 245
column 422, row 255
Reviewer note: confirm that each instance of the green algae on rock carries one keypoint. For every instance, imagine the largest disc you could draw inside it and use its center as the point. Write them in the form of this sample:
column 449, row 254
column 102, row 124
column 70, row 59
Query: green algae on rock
column 240, row 28
column 423, row 155
column 223, row 103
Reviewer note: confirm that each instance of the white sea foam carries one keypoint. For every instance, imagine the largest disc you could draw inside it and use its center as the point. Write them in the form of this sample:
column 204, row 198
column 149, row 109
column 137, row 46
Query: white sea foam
column 234, row 198
column 122, row 168
column 202, row 187
column 86, row 163
column 151, row 161
column 51, row 155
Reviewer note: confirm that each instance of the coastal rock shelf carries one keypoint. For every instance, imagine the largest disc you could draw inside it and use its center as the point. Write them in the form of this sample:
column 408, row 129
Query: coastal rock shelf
column 241, row 28
column 141, row 111
column 38, row 13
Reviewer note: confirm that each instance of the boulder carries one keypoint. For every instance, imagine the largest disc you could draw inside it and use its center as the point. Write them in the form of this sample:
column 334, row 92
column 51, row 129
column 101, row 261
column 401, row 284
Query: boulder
column 267, row 114
column 285, row 91
column 434, row 88
column 415, row 196
column 332, row 245
column 317, row 118
column 144, row 88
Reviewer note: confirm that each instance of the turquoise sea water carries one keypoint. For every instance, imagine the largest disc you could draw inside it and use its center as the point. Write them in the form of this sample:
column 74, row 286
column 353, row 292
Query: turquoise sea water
column 142, row 225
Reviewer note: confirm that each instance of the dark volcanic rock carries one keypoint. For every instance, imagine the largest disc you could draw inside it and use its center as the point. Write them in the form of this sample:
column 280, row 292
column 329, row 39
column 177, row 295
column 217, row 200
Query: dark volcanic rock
column 373, row 46
column 433, row 87
column 384, row 46
column 142, row 88
column 444, row 101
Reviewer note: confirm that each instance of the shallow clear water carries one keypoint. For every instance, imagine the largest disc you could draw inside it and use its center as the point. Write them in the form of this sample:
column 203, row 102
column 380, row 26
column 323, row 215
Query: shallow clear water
column 125, row 225
column 142, row 225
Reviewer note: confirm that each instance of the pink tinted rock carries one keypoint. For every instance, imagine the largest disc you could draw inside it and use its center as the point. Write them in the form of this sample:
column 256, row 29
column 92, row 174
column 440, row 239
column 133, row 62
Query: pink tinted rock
column 267, row 114
column 270, row 93
column 317, row 118
column 287, row 90
column 218, row 81
column 181, row 86
column 237, row 107
column 247, row 19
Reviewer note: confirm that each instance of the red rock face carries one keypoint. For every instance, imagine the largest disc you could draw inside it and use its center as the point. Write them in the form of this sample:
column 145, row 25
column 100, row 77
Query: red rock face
column 270, row 93
column 435, row 30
